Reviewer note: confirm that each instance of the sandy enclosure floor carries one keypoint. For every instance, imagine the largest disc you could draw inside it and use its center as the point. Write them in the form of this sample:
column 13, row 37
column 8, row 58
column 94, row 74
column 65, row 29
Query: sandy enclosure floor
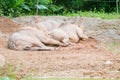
column 85, row 59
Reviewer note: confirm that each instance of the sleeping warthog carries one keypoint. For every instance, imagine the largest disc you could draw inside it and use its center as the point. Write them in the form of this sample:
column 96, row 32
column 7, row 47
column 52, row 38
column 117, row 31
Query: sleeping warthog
column 65, row 32
column 68, row 33
column 30, row 38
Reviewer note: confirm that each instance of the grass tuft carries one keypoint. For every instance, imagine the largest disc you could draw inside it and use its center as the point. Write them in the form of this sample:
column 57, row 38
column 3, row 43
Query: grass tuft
column 113, row 47
column 101, row 15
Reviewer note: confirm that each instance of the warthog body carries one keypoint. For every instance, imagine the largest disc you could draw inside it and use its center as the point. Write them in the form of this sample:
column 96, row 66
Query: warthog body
column 30, row 38
column 48, row 32
column 68, row 33
column 50, row 24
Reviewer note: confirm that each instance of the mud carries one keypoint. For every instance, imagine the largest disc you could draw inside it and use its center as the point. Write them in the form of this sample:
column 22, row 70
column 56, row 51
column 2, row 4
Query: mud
column 87, row 58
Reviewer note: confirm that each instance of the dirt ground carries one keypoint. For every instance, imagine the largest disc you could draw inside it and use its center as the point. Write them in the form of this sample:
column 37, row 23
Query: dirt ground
column 85, row 59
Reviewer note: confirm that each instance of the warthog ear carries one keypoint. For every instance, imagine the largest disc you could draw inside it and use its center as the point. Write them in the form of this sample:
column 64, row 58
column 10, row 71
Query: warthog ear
column 31, row 22
column 34, row 22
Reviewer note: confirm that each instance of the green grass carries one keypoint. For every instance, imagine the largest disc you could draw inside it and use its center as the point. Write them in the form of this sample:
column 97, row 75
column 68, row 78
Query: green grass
column 102, row 15
column 7, row 78
column 113, row 47
column 93, row 14
column 64, row 79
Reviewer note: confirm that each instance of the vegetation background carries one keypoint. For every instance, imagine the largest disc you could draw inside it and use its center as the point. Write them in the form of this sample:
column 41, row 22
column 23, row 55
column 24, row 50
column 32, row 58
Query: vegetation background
column 14, row 8
column 94, row 8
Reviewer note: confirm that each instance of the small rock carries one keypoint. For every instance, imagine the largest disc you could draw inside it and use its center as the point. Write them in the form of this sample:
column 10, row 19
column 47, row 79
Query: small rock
column 108, row 62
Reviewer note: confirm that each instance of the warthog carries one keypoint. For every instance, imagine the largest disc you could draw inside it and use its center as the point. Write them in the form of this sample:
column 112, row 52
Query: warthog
column 31, row 38
column 70, row 28
column 69, row 33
